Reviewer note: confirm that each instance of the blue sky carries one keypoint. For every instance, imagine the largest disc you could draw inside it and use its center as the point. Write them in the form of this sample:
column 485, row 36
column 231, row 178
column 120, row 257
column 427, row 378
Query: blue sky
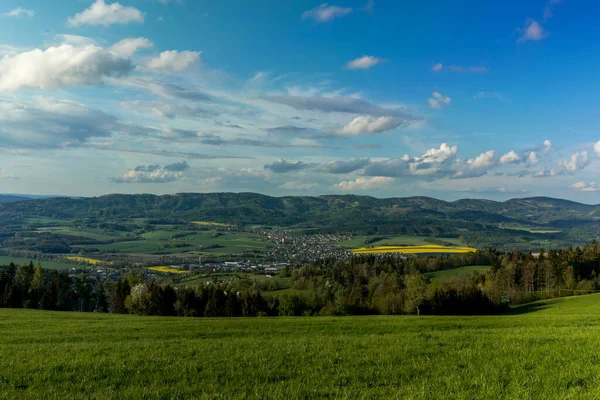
column 448, row 99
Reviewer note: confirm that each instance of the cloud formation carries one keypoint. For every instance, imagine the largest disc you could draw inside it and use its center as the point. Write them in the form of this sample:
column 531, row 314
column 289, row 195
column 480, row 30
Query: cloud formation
column 50, row 123
column 438, row 100
column 532, row 31
column 129, row 46
column 325, row 13
column 509, row 158
column 369, row 125
column 153, row 173
column 349, row 105
column 344, row 167
column 61, row 67
column 364, row 62
column 364, row 183
column 100, row 13
column 282, row 166
column 19, row 12
column 585, row 187
column 173, row 60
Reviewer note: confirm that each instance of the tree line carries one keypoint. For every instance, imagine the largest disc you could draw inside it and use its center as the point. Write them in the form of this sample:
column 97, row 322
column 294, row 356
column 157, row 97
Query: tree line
column 369, row 284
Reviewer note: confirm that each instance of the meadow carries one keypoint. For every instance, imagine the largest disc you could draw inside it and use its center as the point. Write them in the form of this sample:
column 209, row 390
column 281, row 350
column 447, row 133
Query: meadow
column 422, row 249
column 545, row 350
column 460, row 271
column 5, row 260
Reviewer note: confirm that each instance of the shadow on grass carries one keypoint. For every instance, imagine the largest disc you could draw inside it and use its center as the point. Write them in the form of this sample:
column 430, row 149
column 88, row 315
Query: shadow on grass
column 533, row 307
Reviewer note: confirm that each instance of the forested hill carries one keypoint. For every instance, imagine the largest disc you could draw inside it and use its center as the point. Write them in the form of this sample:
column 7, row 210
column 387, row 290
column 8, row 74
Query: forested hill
column 252, row 208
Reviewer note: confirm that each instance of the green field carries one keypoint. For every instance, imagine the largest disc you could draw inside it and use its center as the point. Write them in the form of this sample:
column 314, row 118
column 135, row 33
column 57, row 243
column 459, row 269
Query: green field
column 163, row 241
column 45, row 264
column 461, row 271
column 402, row 240
column 546, row 350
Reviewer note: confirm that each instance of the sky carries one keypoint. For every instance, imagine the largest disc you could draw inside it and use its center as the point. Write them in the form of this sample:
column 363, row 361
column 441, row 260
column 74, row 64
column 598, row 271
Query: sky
column 447, row 99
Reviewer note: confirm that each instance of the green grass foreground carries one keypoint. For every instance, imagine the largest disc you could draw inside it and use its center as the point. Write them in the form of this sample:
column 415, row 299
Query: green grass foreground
column 545, row 350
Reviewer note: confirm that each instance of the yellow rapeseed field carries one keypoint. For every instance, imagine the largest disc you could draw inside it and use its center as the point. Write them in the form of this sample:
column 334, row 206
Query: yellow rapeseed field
column 206, row 223
column 423, row 249
column 90, row 261
column 167, row 270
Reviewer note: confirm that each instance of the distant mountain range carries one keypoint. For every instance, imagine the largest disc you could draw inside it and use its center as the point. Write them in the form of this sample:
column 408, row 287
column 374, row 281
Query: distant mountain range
column 537, row 221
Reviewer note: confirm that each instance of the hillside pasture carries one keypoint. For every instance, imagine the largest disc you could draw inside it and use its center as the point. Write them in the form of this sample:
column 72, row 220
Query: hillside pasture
column 547, row 350
column 456, row 272
column 423, row 249
column 5, row 260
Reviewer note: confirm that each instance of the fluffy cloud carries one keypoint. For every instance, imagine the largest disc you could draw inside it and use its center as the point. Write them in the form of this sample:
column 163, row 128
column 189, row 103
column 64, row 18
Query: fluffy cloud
column 325, row 13
column 586, row 187
column 364, row 62
column 509, row 158
column 477, row 166
column 578, row 161
column 364, row 183
column 532, row 158
column 282, row 166
column 176, row 61
column 104, row 14
column 547, row 145
column 597, row 148
column 366, row 124
column 437, row 67
column 435, row 162
column 349, row 105
column 437, row 100
column 344, row 167
column 59, row 67
column 127, row 47
column 19, row 12
column 532, row 31
column 153, row 174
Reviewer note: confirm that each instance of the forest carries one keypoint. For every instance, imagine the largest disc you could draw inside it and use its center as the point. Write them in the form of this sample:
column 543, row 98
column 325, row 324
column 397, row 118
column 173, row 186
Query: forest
column 362, row 285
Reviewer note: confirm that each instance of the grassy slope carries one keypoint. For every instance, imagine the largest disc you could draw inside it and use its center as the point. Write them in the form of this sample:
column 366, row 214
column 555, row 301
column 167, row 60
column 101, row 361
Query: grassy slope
column 551, row 353
column 5, row 260
column 448, row 273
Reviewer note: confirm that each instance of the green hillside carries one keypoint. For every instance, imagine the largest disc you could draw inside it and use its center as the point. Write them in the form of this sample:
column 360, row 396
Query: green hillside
column 544, row 350
column 525, row 224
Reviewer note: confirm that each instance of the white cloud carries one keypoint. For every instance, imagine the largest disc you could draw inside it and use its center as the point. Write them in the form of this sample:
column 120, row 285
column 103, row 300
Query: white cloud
column 364, row 62
column 177, row 61
column 532, row 31
column 597, row 147
column 578, row 161
column 438, row 100
column 127, row 47
column 366, row 124
column 104, row 14
column 59, row 67
column 153, row 174
column 437, row 67
column 325, row 13
column 364, row 183
column 533, row 158
column 586, row 187
column 509, row 158
column 18, row 12
column 547, row 145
